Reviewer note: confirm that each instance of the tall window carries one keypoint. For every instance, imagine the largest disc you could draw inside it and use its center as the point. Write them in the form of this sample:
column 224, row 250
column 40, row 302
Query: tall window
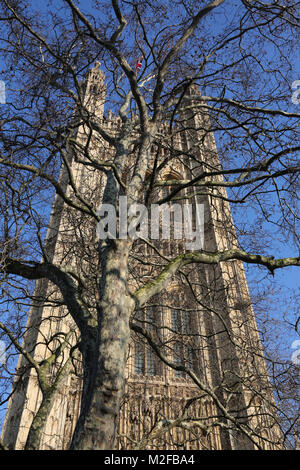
column 139, row 359
column 183, row 353
column 145, row 362
column 145, row 359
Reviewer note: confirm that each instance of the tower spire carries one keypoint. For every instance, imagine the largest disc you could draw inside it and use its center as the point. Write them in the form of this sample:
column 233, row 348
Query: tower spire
column 95, row 90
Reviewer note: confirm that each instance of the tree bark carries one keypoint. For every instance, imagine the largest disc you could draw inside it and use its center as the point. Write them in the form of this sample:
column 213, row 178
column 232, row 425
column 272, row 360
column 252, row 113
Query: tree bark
column 97, row 425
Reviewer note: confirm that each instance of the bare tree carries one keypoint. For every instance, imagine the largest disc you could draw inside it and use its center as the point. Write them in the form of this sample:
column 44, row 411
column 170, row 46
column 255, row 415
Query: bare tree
column 240, row 56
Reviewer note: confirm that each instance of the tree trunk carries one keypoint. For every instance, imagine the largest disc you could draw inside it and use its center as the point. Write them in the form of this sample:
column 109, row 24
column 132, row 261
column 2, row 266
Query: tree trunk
column 97, row 426
column 34, row 438
column 37, row 427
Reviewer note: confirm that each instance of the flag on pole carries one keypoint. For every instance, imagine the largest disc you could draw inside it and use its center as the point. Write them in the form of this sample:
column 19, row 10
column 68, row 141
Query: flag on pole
column 138, row 65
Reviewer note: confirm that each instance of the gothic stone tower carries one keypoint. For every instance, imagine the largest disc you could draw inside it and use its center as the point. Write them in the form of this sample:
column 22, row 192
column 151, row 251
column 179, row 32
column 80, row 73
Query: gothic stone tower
column 203, row 323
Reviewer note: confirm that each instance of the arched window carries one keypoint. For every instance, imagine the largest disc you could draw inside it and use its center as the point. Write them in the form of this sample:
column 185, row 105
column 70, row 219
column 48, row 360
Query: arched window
column 94, row 90
column 146, row 361
column 183, row 353
column 166, row 190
